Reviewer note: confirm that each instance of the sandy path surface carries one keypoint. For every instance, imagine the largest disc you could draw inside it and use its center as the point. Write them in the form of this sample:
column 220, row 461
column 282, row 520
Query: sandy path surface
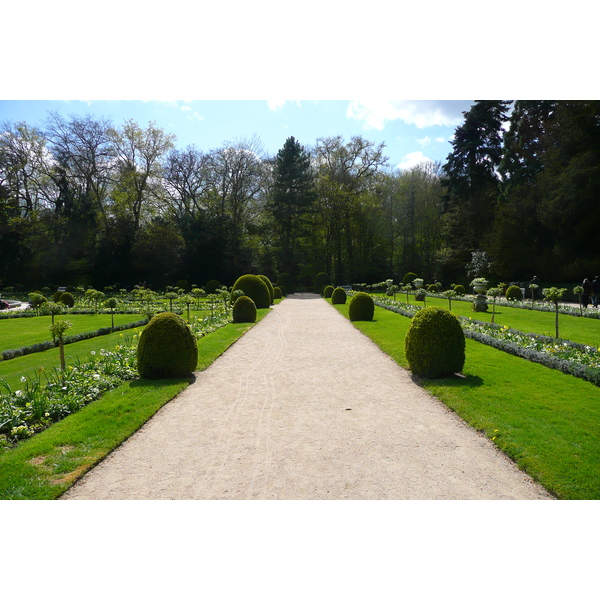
column 304, row 406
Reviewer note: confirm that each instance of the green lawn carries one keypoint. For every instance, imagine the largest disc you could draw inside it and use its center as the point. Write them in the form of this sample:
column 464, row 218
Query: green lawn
column 19, row 332
column 576, row 329
column 46, row 465
column 547, row 422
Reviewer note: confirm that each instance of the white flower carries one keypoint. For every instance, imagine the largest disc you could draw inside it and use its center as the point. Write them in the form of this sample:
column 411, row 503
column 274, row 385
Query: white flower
column 23, row 379
column 96, row 376
column 93, row 353
column 19, row 393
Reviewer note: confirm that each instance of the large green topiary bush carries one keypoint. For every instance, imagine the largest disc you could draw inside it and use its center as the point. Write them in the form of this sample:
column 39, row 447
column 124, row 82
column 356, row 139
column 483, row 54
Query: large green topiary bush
column 320, row 281
column 269, row 287
column 67, row 299
column 514, row 293
column 409, row 277
column 167, row 348
column 361, row 307
column 277, row 294
column 254, row 287
column 328, row 291
column 435, row 343
column 338, row 296
column 244, row 310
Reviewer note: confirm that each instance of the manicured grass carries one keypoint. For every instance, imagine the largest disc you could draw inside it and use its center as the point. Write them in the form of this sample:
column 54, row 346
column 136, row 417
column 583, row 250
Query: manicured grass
column 547, row 422
column 45, row 466
column 16, row 333
column 576, row 329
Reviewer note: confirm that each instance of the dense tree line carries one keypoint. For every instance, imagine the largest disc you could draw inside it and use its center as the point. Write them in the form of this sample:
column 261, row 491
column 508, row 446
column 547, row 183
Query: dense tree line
column 83, row 201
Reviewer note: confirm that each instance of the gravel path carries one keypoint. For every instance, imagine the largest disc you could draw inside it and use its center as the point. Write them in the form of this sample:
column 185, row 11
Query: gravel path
column 304, row 406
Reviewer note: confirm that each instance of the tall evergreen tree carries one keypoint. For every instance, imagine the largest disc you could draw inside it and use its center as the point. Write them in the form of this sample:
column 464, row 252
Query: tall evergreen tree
column 471, row 178
column 291, row 196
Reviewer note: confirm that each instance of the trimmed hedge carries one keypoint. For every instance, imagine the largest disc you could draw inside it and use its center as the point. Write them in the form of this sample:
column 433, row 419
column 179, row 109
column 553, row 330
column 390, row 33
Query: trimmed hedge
column 361, row 307
column 327, row 291
column 244, row 310
column 338, row 296
column 254, row 287
column 167, row 348
column 435, row 343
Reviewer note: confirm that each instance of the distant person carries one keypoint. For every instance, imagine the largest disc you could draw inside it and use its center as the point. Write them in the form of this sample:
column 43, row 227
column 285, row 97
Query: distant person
column 596, row 291
column 587, row 292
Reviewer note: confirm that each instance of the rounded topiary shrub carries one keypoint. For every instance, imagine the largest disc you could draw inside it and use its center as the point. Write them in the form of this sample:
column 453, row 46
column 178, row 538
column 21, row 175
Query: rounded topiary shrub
column 254, row 287
column 57, row 295
column 514, row 293
column 244, row 310
column 212, row 285
column 277, row 293
column 338, row 296
column 459, row 289
column 269, row 286
column 409, row 278
column 327, row 291
column 361, row 307
column 286, row 282
column 67, row 299
column 321, row 280
column 167, row 348
column 435, row 343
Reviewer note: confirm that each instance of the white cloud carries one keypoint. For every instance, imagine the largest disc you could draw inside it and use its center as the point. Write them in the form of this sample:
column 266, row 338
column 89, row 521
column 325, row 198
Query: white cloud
column 424, row 141
column 195, row 116
column 276, row 104
column 422, row 113
column 412, row 159
column 186, row 108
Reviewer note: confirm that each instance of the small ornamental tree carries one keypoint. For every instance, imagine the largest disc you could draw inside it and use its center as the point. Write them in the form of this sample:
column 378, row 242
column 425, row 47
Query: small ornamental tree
column 170, row 296
column 450, row 294
column 554, row 295
column 494, row 293
column 198, row 293
column 58, row 330
column 578, row 289
column 188, row 301
column 112, row 304
column 54, row 308
column 36, row 300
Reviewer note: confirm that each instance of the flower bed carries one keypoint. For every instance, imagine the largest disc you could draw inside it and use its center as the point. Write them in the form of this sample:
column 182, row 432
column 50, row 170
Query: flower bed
column 50, row 395
column 568, row 357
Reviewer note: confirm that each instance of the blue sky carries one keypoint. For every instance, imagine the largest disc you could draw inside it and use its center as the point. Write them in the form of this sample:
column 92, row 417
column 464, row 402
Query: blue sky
column 413, row 131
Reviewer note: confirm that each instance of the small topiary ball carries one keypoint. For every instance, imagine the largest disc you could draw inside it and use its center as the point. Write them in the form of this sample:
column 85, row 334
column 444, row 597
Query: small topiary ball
column 435, row 343
column 269, row 286
column 254, row 287
column 361, row 307
column 459, row 289
column 277, row 293
column 212, row 285
column 338, row 296
column 514, row 293
column 167, row 348
column 67, row 299
column 244, row 310
column 328, row 291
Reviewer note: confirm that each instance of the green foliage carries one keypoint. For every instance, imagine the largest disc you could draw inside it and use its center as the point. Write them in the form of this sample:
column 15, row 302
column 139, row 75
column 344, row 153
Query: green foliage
column 57, row 295
column 514, row 293
column 211, row 286
column 167, row 348
column 328, row 291
column 286, row 283
column 254, row 287
column 269, row 286
column 409, row 278
column 435, row 343
column 321, row 281
column 277, row 293
column 434, row 288
column 338, row 296
column 459, row 289
column 361, row 307
column 244, row 310
column 67, row 299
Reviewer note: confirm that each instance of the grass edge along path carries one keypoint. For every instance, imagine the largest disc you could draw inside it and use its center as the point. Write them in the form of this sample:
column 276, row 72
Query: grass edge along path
column 545, row 421
column 48, row 464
